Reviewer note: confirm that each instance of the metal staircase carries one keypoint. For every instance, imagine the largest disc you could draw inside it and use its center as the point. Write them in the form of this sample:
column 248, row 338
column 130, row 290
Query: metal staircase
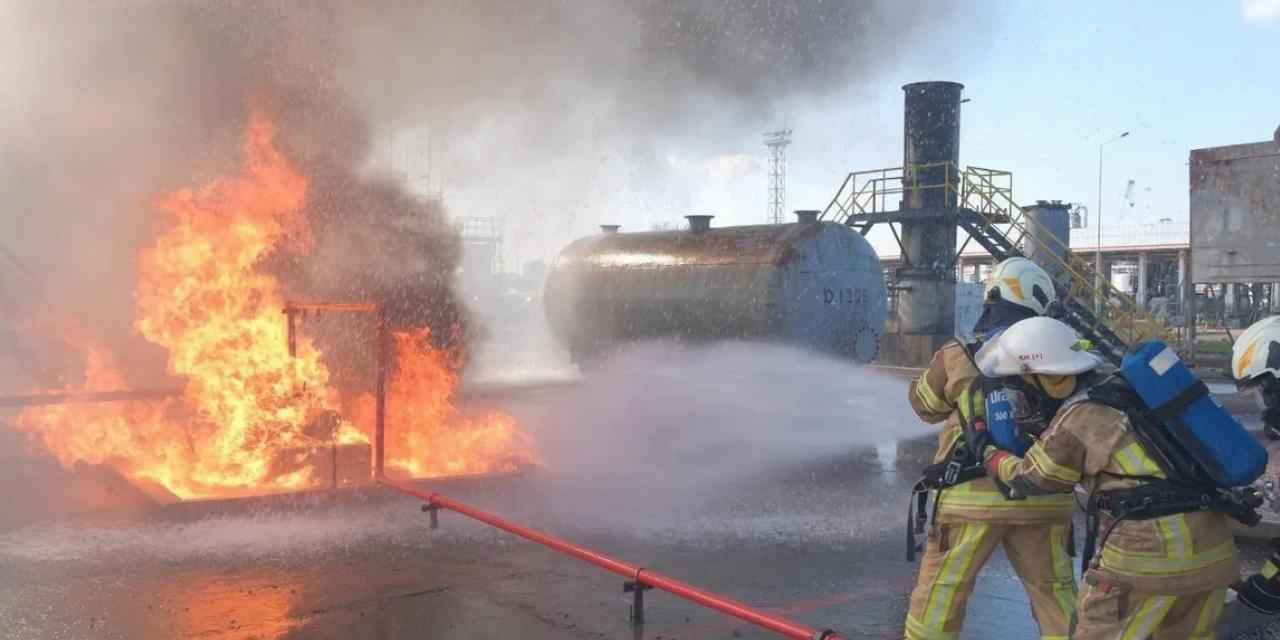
column 989, row 216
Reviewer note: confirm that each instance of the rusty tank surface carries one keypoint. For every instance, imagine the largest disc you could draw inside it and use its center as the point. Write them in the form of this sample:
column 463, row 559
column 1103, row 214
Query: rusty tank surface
column 811, row 284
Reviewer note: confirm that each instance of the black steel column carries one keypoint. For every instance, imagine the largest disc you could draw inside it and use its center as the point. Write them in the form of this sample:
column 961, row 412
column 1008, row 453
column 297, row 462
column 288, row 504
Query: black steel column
column 931, row 161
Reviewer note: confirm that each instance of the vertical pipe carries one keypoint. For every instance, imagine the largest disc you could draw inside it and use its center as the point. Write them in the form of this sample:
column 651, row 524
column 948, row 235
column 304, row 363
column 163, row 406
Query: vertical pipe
column 1099, row 299
column 381, row 357
column 1182, row 272
column 1189, row 306
column 292, row 329
column 1097, row 251
column 333, row 459
column 1141, row 296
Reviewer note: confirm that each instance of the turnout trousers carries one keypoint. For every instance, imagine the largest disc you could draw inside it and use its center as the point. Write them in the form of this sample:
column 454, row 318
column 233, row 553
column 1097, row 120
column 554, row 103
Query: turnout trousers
column 957, row 550
column 1110, row 611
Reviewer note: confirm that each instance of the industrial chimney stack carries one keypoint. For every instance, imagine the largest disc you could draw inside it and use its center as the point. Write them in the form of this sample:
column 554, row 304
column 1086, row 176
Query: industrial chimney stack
column 931, row 159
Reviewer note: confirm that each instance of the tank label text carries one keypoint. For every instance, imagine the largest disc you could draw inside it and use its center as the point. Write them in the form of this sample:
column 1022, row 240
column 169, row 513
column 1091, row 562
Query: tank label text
column 844, row 296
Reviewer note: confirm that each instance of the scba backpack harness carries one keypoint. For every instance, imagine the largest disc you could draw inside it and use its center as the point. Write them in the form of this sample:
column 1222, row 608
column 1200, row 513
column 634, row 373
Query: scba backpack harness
column 1208, row 457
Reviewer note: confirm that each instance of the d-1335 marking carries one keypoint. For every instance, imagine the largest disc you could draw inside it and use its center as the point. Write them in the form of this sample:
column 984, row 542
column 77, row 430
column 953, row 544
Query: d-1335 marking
column 844, row 296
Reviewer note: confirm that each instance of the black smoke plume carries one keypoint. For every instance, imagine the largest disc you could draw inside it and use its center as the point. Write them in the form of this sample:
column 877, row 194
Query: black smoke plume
column 110, row 103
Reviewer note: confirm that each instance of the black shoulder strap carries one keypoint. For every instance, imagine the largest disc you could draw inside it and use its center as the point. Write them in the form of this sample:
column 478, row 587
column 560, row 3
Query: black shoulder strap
column 1114, row 392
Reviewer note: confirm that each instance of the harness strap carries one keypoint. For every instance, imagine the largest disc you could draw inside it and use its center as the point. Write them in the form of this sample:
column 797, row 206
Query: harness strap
column 936, row 477
column 1090, row 532
column 1071, row 539
column 917, row 517
column 1159, row 498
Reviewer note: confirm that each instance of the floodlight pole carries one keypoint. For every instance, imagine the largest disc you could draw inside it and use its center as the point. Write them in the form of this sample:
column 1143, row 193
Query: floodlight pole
column 1097, row 267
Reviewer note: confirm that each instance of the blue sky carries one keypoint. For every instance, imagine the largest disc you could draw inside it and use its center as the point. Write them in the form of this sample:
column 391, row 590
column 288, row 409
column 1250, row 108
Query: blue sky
column 1059, row 78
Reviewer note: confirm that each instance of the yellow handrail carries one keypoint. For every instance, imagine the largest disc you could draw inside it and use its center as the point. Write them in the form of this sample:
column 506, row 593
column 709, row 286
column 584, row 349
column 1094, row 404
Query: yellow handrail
column 989, row 192
column 1081, row 281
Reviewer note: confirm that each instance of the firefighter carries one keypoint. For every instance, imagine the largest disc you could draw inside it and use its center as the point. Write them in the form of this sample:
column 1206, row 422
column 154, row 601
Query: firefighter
column 1255, row 361
column 1151, row 575
column 971, row 517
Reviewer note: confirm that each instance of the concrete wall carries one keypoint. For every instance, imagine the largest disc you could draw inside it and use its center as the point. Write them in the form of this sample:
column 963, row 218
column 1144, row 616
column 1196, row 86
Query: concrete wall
column 1235, row 213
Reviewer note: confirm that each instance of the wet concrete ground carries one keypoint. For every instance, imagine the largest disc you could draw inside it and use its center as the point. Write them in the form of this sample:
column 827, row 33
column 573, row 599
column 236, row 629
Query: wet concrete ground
column 822, row 542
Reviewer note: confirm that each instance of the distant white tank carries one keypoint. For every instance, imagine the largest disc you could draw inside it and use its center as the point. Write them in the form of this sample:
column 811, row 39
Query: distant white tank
column 1124, row 277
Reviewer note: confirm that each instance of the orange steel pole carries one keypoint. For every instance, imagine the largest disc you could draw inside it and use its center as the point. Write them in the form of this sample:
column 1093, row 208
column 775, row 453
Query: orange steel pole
column 638, row 575
column 380, row 356
column 380, row 428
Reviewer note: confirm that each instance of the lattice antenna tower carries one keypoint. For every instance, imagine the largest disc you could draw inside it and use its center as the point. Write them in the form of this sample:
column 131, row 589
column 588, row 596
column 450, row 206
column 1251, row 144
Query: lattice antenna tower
column 777, row 142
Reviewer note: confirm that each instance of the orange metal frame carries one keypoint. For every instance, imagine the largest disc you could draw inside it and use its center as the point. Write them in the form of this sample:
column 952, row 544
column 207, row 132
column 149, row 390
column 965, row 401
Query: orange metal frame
column 294, row 310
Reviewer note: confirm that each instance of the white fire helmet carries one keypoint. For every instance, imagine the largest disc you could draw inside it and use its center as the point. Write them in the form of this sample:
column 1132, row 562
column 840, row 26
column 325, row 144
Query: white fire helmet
column 1257, row 351
column 1036, row 345
column 1022, row 282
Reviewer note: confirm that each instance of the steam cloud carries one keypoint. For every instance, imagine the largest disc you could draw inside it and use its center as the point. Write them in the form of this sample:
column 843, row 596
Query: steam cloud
column 550, row 112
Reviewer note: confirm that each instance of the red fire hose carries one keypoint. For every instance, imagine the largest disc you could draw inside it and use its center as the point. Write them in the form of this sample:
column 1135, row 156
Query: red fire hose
column 639, row 575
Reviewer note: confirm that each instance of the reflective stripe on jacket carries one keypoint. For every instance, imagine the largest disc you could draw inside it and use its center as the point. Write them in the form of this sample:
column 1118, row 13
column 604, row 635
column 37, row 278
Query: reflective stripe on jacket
column 946, row 392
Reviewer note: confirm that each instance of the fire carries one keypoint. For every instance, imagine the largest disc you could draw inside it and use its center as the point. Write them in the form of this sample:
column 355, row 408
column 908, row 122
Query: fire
column 203, row 296
column 133, row 436
column 425, row 435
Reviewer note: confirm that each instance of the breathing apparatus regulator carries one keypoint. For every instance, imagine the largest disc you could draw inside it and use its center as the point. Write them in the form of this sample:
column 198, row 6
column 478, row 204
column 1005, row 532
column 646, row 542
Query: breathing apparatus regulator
column 1019, row 409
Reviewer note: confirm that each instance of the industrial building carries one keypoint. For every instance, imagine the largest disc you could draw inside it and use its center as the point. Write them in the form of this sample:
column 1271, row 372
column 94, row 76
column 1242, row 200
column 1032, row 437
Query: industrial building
column 1235, row 230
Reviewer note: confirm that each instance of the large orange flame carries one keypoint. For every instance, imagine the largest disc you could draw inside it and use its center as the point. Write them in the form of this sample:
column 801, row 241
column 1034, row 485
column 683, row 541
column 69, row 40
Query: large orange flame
column 203, row 296
column 425, row 435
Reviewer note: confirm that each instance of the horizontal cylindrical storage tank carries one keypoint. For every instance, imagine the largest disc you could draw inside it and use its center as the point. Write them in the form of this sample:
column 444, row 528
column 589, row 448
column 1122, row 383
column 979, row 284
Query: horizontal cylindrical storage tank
column 811, row 284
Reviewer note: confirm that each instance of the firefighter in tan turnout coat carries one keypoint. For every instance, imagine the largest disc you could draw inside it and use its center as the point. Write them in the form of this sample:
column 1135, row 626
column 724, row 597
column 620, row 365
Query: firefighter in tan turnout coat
column 973, row 517
column 1162, row 578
